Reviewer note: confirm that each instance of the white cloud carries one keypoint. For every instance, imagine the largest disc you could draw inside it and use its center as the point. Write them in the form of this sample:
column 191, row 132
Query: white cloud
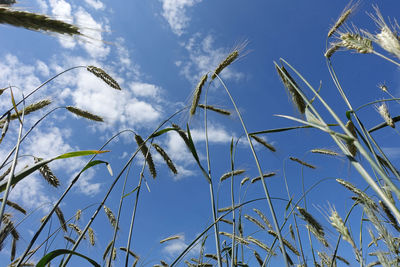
column 144, row 89
column 205, row 57
column 174, row 11
column 115, row 106
column 61, row 10
column 96, row 4
column 31, row 192
column 94, row 44
column 42, row 68
column 175, row 247
column 216, row 134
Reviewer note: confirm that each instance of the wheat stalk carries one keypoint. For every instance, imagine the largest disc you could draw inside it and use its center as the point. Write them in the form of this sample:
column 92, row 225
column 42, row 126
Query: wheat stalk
column 255, row 221
column 324, row 151
column 262, row 216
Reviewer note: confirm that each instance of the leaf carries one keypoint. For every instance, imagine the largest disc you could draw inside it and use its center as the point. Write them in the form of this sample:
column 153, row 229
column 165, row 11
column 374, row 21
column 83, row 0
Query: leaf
column 15, row 105
column 80, row 153
column 25, row 172
column 96, row 162
column 133, row 191
column 161, row 132
column 288, row 204
column 55, row 253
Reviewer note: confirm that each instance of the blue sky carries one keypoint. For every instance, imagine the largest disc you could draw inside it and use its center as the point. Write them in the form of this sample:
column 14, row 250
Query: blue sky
column 157, row 50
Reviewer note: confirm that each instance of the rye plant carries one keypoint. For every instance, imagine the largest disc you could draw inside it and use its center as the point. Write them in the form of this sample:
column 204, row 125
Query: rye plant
column 283, row 240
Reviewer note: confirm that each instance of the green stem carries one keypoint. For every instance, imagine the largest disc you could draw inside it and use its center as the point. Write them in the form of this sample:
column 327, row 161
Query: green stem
column 277, row 228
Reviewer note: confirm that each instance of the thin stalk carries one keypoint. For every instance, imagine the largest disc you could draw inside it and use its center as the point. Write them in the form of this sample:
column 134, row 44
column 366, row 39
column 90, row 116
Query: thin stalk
column 112, row 186
column 121, row 200
column 14, row 164
column 360, row 148
column 365, row 132
column 25, row 135
column 385, row 57
column 277, row 228
column 293, row 214
column 340, row 235
column 214, row 213
column 40, row 86
column 139, row 186
column 75, row 179
column 233, row 261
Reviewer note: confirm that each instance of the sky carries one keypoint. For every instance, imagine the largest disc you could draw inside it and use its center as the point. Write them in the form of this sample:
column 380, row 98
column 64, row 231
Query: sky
column 157, row 51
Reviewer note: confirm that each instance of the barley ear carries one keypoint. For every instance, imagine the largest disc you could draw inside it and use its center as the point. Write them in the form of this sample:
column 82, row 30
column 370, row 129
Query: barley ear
column 291, row 85
column 84, row 114
column 197, row 94
column 166, row 158
column 302, row 162
column 61, row 219
column 225, row 63
column 215, row 109
column 104, row 76
column 36, row 22
column 263, row 142
column 111, row 217
column 146, row 155
column 47, row 174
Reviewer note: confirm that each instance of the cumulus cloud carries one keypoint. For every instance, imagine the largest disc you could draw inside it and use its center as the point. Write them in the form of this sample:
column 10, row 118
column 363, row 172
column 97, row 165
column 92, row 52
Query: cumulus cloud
column 96, row 4
column 93, row 29
column 31, row 193
column 175, row 247
column 144, row 89
column 205, row 57
column 174, row 11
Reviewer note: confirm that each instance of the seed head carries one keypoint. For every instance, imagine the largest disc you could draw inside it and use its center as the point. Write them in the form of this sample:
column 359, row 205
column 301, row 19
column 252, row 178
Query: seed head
column 384, row 112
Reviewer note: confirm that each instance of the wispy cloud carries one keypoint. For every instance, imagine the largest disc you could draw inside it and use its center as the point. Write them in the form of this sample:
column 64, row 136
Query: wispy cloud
column 204, row 56
column 96, row 4
column 174, row 11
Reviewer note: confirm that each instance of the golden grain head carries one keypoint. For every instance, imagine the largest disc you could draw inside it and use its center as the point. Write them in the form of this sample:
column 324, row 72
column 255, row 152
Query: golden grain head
column 387, row 38
column 384, row 112
column 357, row 42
